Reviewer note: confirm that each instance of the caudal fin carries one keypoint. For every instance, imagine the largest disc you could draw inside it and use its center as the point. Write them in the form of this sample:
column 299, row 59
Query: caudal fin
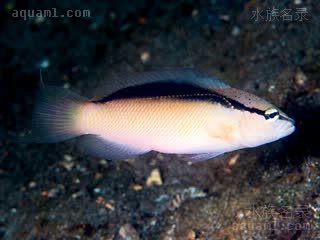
column 54, row 115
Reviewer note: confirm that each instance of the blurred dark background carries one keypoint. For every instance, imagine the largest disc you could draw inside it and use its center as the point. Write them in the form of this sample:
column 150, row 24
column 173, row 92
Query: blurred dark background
column 51, row 191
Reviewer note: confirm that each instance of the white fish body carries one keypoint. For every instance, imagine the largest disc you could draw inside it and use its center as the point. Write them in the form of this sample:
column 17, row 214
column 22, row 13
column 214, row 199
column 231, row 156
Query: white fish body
column 177, row 112
column 168, row 127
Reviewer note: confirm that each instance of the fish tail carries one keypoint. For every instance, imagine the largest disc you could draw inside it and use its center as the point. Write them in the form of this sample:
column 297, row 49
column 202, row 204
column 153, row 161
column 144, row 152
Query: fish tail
column 55, row 115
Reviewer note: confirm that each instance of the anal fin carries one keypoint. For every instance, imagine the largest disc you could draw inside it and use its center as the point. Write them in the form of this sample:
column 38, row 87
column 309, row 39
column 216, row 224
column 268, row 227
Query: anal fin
column 198, row 157
column 98, row 147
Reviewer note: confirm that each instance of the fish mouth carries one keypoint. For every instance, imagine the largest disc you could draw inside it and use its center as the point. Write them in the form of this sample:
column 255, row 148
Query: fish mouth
column 286, row 118
column 291, row 129
column 286, row 127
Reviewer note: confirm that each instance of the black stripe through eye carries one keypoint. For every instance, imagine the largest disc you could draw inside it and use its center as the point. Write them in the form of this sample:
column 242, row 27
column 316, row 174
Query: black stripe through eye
column 271, row 115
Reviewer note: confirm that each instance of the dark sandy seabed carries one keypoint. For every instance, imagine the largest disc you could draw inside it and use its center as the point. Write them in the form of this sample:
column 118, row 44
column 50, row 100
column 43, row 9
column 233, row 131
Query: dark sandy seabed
column 52, row 191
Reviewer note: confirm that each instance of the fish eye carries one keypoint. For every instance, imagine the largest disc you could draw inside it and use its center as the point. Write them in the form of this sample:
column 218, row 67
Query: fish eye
column 271, row 114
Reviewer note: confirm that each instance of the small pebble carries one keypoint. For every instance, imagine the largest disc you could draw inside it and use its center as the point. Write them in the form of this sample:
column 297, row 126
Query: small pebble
column 127, row 232
column 66, row 86
column 300, row 78
column 162, row 198
column 233, row 160
column 225, row 17
column 271, row 88
column 32, row 184
column 193, row 192
column 53, row 192
column 142, row 20
column 99, row 200
column 76, row 195
column 152, row 222
column 247, row 213
column 109, row 206
column 80, row 168
column 191, row 235
column 235, row 31
column 176, row 202
column 103, row 162
column 136, row 187
column 98, row 176
column 67, row 165
column 144, row 57
column 240, row 215
column 45, row 63
column 44, row 193
column 97, row 190
column 195, row 13
column 67, row 157
column 154, row 179
column 316, row 211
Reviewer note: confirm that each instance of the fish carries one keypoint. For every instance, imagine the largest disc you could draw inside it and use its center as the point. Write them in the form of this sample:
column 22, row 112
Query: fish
column 185, row 112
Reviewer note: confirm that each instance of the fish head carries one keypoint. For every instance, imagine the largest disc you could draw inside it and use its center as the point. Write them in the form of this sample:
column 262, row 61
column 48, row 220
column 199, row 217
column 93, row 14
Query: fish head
column 259, row 129
column 265, row 123
column 259, row 121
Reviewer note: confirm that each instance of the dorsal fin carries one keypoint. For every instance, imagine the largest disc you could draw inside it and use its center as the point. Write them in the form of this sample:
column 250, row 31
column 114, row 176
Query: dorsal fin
column 158, row 89
column 186, row 76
